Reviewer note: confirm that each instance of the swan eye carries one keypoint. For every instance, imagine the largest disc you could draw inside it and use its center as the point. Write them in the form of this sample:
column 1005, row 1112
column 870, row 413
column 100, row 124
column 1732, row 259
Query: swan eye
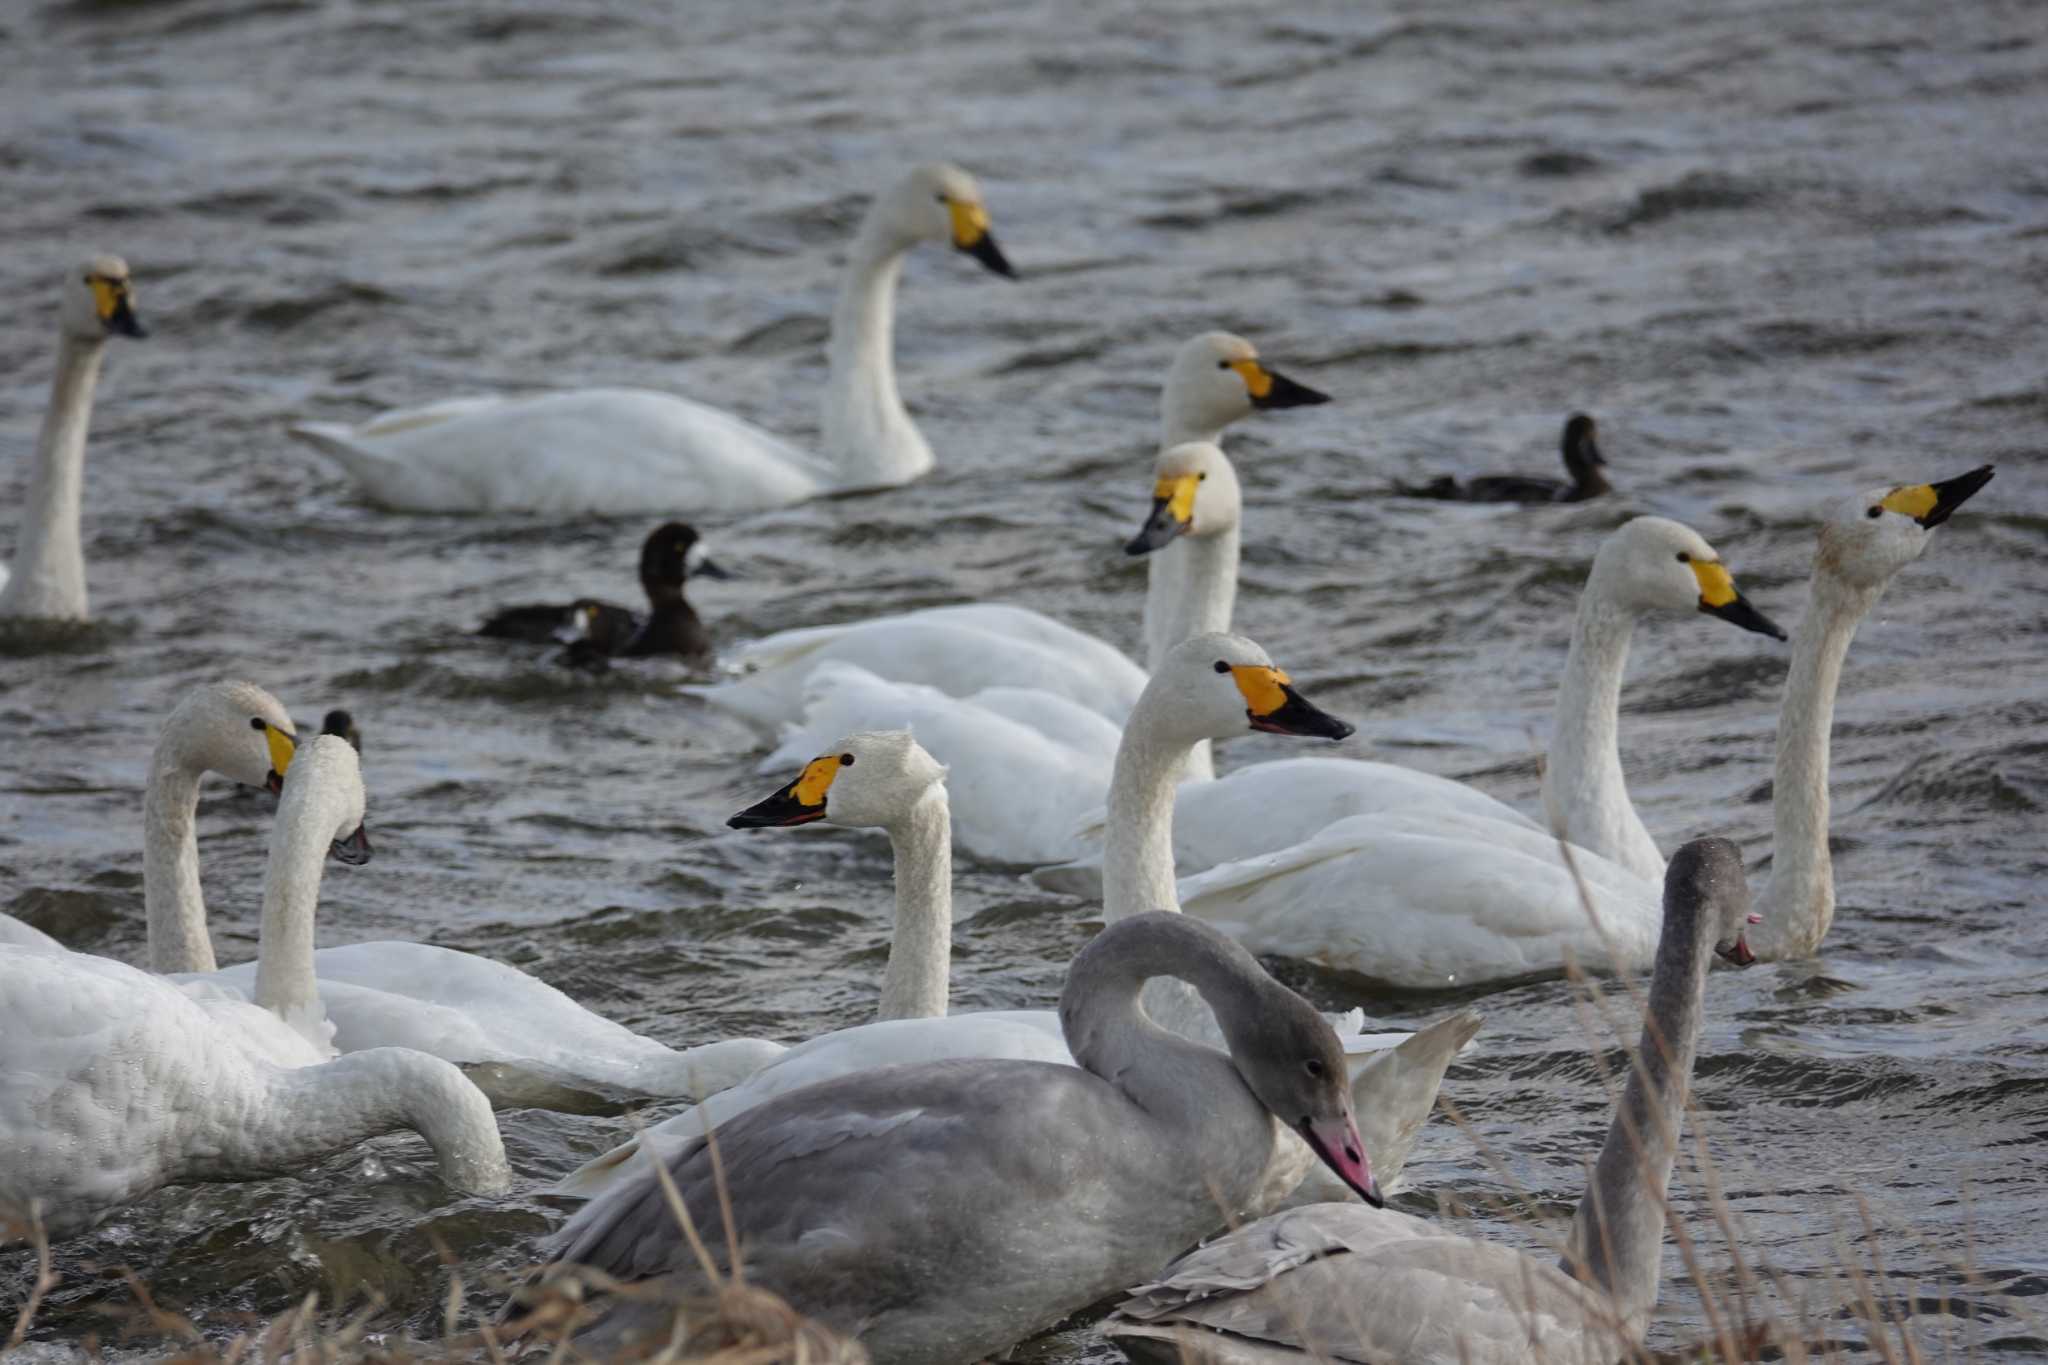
column 1315, row 1067
column 846, row 760
column 941, row 197
column 256, row 723
column 1199, row 478
column 1222, row 364
column 1222, row 667
column 1875, row 512
column 1684, row 558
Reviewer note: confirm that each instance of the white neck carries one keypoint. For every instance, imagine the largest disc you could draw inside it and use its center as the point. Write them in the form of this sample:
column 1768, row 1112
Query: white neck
column 869, row 437
column 299, row 840
column 921, row 954
column 1191, row 590
column 1799, row 903
column 49, row 564
column 1585, row 795
column 309, row 1112
column 1137, row 860
column 172, row 901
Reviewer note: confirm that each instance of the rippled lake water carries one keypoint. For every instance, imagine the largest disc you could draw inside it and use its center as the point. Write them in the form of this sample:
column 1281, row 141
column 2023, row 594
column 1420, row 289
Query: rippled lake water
column 1784, row 253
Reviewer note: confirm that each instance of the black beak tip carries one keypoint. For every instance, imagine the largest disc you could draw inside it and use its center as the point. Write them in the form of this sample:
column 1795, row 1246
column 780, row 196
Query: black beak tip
column 273, row 782
column 991, row 256
column 354, row 850
column 1950, row 494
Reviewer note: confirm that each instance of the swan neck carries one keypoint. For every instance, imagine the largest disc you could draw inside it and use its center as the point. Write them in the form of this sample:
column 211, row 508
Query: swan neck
column 869, row 437
column 920, row 954
column 1800, row 903
column 1585, row 793
column 1618, row 1233
column 285, row 983
column 1190, row 589
column 48, row 575
column 309, row 1112
column 172, row 901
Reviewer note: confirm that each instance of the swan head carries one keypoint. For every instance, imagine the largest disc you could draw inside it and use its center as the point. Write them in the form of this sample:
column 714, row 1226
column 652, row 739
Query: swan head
column 1216, row 378
column 321, row 783
column 1867, row 539
column 938, row 202
column 1194, row 493
column 1656, row 564
column 872, row 779
column 1705, row 879
column 227, row 728
column 671, row 553
column 1293, row 1062
column 1218, row 685
column 99, row 301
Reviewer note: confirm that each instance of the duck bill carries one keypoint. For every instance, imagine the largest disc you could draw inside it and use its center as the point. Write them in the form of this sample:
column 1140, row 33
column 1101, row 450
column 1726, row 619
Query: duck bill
column 1737, row 611
column 124, row 322
column 1283, row 392
column 985, row 250
column 1950, row 494
column 354, row 850
column 1159, row 530
column 708, row 568
column 1337, row 1142
column 779, row 811
column 1296, row 715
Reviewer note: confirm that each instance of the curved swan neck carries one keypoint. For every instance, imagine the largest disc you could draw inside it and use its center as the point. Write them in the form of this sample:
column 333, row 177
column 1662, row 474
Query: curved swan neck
column 309, row 1112
column 171, row 897
column 1618, row 1233
column 1799, row 904
column 48, row 574
column 869, row 437
column 1585, row 793
column 921, row 953
column 1137, row 860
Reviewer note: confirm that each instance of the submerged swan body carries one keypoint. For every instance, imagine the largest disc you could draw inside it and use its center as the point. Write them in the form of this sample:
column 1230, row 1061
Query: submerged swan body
column 1464, row 903
column 47, row 581
column 943, row 1212
column 632, row 451
column 1394, row 1077
column 1349, row 1283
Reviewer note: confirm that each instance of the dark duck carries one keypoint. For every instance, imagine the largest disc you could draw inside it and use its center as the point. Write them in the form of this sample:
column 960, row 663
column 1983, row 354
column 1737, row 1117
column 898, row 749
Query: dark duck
column 1582, row 460
column 596, row 631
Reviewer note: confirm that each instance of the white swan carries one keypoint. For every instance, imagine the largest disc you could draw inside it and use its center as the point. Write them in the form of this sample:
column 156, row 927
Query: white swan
column 48, row 580
column 637, row 451
column 1466, row 902
column 1347, row 1282
column 114, row 1083
column 1394, row 1076
column 1215, row 379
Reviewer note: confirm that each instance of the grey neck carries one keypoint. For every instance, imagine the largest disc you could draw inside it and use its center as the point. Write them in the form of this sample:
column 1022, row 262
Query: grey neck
column 920, row 953
column 47, row 578
column 1618, row 1233
column 1799, row 903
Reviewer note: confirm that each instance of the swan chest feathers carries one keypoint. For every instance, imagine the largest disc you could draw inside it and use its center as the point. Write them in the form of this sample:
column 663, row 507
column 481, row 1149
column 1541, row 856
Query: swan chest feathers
column 593, row 450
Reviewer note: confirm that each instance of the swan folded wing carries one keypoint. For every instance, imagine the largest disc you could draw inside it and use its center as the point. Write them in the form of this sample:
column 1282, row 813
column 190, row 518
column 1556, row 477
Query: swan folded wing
column 14, row 933
column 229, row 1001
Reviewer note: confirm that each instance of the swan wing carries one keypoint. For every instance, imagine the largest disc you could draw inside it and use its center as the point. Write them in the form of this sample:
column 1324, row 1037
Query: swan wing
column 15, row 934
column 588, row 450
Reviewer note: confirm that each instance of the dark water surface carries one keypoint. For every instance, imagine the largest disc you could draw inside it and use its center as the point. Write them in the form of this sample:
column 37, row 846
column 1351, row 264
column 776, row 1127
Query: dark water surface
column 1784, row 252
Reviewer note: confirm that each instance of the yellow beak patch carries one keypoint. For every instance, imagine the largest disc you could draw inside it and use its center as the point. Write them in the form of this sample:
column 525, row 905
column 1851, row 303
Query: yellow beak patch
column 1256, row 380
column 282, row 747
column 107, row 296
column 1717, row 586
column 970, row 223
column 816, row 780
column 1179, row 496
column 1260, row 687
column 1915, row 501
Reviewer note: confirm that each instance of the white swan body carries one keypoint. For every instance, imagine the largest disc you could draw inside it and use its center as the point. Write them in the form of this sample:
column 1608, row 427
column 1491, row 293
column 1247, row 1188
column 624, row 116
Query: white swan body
column 114, row 1083
column 637, row 451
column 48, row 578
column 1394, row 1076
column 1436, row 903
column 1214, row 380
column 1343, row 1282
column 1649, row 565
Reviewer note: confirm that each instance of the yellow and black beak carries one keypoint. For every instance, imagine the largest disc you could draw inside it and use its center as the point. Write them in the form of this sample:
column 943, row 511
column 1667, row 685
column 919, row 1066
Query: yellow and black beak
column 1272, row 704
column 354, row 850
column 1718, row 597
column 971, row 235
column 801, row 802
column 1173, row 512
column 1931, row 504
column 115, row 304
column 1270, row 389
column 282, row 746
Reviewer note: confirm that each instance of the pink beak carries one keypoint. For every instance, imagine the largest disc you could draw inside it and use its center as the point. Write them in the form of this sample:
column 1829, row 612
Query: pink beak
column 1337, row 1142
